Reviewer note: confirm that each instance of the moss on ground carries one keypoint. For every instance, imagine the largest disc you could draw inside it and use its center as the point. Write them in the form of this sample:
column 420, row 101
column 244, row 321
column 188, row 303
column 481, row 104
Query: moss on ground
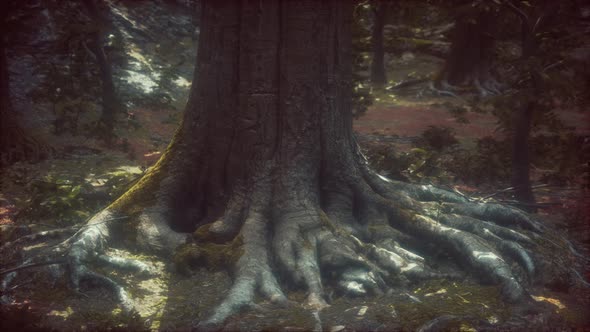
column 215, row 256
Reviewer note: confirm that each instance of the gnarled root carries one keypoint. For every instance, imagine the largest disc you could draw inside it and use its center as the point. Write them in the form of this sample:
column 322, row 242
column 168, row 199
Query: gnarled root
column 73, row 257
column 367, row 235
column 368, row 238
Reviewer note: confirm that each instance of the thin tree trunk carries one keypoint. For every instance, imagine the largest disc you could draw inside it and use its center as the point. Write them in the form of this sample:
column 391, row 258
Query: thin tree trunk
column 110, row 103
column 378, row 75
column 7, row 122
column 521, row 155
column 523, row 117
column 15, row 144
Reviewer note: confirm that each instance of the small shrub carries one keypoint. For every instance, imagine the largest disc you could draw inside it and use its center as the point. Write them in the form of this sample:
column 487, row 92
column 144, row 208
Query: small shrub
column 439, row 138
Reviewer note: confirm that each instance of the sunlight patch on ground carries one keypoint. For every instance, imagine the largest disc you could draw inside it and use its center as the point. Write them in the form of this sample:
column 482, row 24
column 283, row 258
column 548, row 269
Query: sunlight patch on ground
column 133, row 52
column 182, row 82
column 153, row 303
column 62, row 313
column 126, row 169
column 152, row 154
column 438, row 292
column 98, row 180
column 142, row 81
column 553, row 301
column 150, row 295
column 6, row 213
column 125, row 16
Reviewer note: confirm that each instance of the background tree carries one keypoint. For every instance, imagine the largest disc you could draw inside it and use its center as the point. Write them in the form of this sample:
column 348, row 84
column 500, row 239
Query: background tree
column 529, row 111
column 378, row 75
column 15, row 143
column 471, row 56
column 362, row 97
column 264, row 177
column 110, row 103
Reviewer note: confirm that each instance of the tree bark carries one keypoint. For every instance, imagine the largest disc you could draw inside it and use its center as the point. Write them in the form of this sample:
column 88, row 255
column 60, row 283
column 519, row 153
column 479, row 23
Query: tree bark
column 471, row 55
column 520, row 180
column 15, row 144
column 378, row 75
column 110, row 103
column 523, row 118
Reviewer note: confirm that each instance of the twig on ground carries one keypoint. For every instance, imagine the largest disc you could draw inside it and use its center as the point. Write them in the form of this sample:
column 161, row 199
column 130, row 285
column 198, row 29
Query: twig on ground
column 30, row 265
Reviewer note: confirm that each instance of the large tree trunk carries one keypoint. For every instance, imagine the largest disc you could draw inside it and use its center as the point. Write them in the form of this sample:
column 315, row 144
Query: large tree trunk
column 266, row 174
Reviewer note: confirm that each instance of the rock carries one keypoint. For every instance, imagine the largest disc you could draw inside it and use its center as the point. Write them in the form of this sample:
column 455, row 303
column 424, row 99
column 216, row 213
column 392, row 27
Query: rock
column 393, row 313
column 413, row 298
column 408, row 56
column 352, row 288
column 362, row 311
column 438, row 292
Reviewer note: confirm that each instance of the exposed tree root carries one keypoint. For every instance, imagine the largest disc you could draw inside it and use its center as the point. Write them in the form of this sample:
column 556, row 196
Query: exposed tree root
column 312, row 246
column 39, row 236
column 72, row 257
column 366, row 235
column 485, row 86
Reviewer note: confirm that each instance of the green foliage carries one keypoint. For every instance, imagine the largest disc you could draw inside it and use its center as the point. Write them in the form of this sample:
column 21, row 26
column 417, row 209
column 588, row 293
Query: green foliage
column 362, row 97
column 423, row 163
column 487, row 162
column 459, row 112
column 551, row 78
column 560, row 158
column 439, row 138
column 69, row 70
column 361, row 34
column 437, row 158
column 69, row 199
column 59, row 198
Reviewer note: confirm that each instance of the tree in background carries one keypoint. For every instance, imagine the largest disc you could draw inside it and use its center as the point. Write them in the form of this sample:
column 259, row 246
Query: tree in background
column 378, row 74
column 541, row 86
column 110, row 103
column 471, row 56
column 15, row 143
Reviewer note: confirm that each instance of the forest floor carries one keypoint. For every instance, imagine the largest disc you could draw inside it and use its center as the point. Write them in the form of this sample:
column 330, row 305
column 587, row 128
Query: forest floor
column 68, row 189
